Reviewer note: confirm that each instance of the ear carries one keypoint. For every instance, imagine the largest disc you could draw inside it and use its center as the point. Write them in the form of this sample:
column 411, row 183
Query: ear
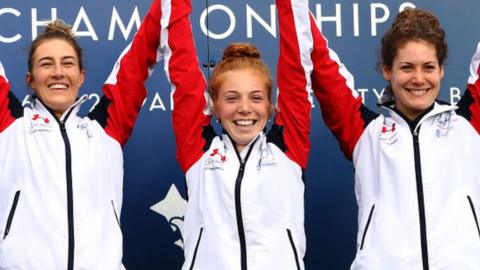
column 29, row 79
column 82, row 76
column 442, row 72
column 387, row 73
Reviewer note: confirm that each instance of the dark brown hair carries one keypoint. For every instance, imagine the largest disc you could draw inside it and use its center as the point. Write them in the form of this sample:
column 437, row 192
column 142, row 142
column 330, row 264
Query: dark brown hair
column 239, row 56
column 57, row 29
column 413, row 24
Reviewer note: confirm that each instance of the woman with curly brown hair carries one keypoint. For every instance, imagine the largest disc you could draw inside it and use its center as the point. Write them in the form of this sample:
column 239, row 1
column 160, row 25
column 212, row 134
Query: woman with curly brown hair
column 417, row 167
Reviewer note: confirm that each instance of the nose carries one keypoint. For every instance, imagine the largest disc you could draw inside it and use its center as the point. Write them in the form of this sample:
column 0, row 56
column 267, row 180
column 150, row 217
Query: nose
column 57, row 71
column 418, row 77
column 244, row 107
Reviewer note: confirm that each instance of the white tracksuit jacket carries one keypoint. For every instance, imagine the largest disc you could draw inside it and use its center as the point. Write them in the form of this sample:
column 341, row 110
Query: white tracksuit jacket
column 417, row 183
column 245, row 210
column 61, row 180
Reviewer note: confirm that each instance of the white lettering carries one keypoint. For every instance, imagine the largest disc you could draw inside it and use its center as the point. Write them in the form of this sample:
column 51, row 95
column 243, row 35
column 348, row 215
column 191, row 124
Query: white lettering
column 157, row 103
column 97, row 100
column 455, row 95
column 36, row 23
column 116, row 20
column 362, row 92
column 405, row 5
column 337, row 18
column 82, row 16
column 356, row 21
column 16, row 37
column 203, row 21
column 378, row 95
column 272, row 28
column 376, row 20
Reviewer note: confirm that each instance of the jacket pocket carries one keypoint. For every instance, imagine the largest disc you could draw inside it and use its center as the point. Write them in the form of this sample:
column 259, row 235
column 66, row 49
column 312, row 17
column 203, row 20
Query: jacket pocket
column 116, row 215
column 196, row 249
column 472, row 206
column 292, row 243
column 11, row 214
column 366, row 226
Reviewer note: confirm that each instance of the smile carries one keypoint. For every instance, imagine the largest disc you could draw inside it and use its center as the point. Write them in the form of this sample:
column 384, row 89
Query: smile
column 244, row 123
column 57, row 86
column 417, row 92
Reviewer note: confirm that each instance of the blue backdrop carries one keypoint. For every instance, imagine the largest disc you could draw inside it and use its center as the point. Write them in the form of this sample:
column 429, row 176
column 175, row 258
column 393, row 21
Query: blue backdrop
column 152, row 209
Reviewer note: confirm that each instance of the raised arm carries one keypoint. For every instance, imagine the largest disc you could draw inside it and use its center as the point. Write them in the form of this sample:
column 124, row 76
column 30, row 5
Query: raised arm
column 10, row 107
column 191, row 123
column 342, row 107
column 124, row 91
column 469, row 105
column 293, row 78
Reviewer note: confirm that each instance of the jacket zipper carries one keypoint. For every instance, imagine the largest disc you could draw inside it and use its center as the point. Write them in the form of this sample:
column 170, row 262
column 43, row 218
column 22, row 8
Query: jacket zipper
column 238, row 206
column 474, row 214
column 196, row 249
column 421, row 202
column 68, row 158
column 11, row 214
column 367, row 226
column 293, row 248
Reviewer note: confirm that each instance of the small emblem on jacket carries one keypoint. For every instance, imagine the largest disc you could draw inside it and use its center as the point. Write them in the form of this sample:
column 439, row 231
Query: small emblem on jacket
column 388, row 133
column 215, row 160
column 39, row 123
column 83, row 126
column 266, row 159
column 443, row 124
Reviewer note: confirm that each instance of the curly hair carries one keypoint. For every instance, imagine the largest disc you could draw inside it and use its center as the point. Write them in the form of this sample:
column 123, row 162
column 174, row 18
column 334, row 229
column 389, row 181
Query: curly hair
column 413, row 24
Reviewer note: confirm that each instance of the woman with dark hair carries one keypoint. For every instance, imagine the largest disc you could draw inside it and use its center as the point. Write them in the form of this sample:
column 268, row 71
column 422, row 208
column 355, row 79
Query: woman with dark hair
column 61, row 175
column 417, row 167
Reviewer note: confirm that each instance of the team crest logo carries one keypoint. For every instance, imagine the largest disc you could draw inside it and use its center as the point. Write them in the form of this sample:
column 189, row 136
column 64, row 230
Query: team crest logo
column 443, row 124
column 83, row 126
column 266, row 159
column 215, row 159
column 388, row 132
column 39, row 123
column 173, row 208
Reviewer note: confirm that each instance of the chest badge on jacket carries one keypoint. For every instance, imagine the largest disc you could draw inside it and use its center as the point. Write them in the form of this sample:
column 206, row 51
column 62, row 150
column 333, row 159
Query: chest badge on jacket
column 215, row 159
column 266, row 159
column 39, row 123
column 443, row 124
column 388, row 132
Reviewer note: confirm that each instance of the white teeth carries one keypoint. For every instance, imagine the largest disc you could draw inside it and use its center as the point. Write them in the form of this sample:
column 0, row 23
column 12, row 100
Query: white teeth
column 58, row 86
column 417, row 93
column 244, row 122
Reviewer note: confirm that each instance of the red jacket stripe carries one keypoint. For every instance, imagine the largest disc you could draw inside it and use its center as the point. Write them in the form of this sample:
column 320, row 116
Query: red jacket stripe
column 333, row 86
column 8, row 103
column 294, row 98
column 181, row 65
column 125, row 87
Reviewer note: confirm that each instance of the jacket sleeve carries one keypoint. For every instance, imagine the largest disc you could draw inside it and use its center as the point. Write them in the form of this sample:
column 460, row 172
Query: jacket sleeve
column 294, row 91
column 342, row 109
column 124, row 90
column 10, row 106
column 469, row 105
column 191, row 121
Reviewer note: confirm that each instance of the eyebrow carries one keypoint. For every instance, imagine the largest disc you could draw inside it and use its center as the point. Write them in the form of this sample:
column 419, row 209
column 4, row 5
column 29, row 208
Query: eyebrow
column 67, row 57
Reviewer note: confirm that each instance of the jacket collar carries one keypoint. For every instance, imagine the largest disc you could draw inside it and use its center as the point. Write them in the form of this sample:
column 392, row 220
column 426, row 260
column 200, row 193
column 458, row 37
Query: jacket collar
column 438, row 107
column 36, row 104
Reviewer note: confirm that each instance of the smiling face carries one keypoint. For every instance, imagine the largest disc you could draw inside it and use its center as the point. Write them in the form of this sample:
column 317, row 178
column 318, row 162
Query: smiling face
column 415, row 77
column 55, row 75
column 243, row 105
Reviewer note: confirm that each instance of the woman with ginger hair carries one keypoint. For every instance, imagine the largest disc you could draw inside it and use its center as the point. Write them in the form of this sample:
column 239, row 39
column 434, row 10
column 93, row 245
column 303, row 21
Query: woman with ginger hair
column 245, row 186
column 417, row 167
